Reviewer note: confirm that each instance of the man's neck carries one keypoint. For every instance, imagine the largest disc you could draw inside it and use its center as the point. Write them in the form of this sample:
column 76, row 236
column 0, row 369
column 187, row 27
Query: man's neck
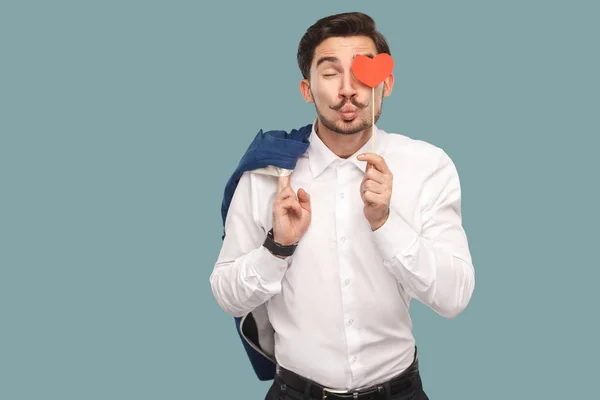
column 342, row 145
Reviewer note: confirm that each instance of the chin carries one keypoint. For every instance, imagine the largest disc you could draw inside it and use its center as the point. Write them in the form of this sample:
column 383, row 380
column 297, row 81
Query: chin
column 351, row 127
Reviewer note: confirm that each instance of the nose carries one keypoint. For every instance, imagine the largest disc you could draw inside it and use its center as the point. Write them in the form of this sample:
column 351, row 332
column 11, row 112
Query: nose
column 348, row 88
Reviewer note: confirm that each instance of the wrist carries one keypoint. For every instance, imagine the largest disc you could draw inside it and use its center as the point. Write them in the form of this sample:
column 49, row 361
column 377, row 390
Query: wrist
column 280, row 241
column 277, row 249
column 379, row 223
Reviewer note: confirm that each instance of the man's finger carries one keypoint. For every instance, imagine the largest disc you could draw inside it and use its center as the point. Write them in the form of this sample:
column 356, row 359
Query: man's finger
column 373, row 199
column 304, row 199
column 372, row 186
column 375, row 160
column 284, row 194
column 283, row 182
column 374, row 175
column 292, row 204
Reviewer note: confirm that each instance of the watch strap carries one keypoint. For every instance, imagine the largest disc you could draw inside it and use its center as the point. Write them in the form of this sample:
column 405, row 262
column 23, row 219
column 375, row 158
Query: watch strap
column 276, row 248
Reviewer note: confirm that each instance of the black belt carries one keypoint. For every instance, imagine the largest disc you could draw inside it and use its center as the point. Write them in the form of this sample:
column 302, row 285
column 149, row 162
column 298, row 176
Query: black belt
column 403, row 382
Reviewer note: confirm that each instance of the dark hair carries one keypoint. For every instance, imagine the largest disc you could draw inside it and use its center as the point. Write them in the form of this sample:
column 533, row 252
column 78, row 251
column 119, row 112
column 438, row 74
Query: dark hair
column 344, row 24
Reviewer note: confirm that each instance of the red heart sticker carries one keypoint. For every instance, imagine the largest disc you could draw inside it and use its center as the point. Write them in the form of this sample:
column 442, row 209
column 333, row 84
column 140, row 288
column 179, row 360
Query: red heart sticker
column 372, row 71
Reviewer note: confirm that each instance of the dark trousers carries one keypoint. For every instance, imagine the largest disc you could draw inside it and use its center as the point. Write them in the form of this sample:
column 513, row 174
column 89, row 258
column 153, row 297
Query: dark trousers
column 290, row 386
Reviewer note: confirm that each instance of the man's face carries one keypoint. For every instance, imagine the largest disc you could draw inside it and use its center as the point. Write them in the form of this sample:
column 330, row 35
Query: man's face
column 344, row 104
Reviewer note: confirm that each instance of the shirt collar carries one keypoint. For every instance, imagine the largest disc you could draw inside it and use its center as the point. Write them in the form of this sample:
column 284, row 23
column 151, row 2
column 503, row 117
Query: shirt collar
column 320, row 156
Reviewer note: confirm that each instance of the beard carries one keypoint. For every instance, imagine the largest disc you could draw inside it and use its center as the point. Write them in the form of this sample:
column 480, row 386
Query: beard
column 351, row 127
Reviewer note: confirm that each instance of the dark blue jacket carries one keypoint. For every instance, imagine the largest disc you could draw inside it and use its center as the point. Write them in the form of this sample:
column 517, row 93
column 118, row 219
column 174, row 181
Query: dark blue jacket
column 279, row 149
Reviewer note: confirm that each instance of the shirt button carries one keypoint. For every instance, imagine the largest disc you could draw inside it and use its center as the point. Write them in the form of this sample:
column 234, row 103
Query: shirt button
column 353, row 360
column 342, row 195
column 343, row 238
column 347, row 282
column 351, row 321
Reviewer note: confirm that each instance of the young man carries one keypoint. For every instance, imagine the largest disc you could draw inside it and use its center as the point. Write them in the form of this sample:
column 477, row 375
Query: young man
column 330, row 257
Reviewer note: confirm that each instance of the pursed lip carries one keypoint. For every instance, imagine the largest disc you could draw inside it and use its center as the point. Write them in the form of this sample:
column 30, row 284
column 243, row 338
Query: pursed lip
column 348, row 109
column 348, row 113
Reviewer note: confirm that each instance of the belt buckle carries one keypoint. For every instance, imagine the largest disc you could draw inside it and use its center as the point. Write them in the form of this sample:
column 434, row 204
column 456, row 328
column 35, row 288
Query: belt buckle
column 338, row 391
column 355, row 394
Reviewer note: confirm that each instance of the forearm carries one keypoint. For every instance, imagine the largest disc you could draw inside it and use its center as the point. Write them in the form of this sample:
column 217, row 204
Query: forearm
column 435, row 269
column 241, row 284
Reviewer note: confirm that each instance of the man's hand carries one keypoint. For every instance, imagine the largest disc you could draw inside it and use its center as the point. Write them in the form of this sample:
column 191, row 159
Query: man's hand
column 376, row 190
column 291, row 213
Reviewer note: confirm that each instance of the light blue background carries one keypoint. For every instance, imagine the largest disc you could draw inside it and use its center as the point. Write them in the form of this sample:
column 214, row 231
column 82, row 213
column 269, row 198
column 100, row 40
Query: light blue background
column 120, row 122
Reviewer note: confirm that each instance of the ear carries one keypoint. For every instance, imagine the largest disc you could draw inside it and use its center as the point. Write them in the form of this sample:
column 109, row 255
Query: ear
column 388, row 84
column 305, row 90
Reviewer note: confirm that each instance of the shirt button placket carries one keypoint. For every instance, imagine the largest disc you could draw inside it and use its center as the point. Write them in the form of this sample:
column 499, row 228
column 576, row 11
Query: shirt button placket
column 344, row 244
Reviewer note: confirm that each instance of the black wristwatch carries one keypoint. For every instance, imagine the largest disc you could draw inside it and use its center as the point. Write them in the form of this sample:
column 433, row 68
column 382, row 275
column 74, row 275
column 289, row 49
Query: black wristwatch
column 278, row 249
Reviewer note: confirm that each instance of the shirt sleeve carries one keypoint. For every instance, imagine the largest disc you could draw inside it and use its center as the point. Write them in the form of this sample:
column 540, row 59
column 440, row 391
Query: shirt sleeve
column 434, row 265
column 245, row 274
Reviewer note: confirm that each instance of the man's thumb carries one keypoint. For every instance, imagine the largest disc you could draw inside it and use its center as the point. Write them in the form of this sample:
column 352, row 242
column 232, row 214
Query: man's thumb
column 304, row 199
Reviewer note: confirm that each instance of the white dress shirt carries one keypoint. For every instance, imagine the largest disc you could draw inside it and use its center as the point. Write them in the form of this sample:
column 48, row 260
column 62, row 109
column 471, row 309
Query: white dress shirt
column 340, row 305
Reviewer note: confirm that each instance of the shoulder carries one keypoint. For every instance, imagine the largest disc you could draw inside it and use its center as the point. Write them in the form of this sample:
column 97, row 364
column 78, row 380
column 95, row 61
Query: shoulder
column 404, row 151
column 257, row 186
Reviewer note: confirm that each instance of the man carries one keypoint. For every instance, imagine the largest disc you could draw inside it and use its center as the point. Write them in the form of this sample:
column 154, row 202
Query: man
column 333, row 253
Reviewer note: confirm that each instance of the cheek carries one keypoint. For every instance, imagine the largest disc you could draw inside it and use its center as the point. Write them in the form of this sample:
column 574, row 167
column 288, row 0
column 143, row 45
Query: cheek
column 325, row 92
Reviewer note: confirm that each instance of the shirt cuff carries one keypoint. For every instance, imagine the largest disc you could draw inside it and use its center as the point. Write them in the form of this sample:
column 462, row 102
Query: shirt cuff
column 269, row 268
column 394, row 237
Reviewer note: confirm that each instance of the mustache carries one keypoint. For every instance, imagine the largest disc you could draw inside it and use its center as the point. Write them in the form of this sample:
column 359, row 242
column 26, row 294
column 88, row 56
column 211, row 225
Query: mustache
column 354, row 102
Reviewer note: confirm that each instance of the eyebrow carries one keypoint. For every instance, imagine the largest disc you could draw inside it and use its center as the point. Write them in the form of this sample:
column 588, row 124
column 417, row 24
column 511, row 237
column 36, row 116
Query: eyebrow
column 336, row 60
column 327, row 59
column 370, row 55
